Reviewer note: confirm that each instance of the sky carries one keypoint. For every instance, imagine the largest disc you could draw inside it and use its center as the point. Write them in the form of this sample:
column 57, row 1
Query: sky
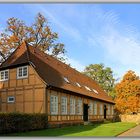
column 92, row 33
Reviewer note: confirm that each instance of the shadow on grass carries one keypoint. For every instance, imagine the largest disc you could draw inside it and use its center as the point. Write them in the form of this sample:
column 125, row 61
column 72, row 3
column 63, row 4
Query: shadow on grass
column 57, row 131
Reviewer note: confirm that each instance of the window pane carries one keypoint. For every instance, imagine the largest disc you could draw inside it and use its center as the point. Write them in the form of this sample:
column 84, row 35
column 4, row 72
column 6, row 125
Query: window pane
column 95, row 108
column 63, row 105
column 2, row 75
column 101, row 109
column 6, row 75
column 91, row 108
column 108, row 110
column 72, row 106
column 20, row 72
column 25, row 71
column 79, row 106
column 11, row 99
column 54, row 104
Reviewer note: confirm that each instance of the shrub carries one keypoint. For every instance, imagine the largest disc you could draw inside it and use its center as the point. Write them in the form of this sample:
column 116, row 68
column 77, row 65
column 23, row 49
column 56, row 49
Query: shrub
column 19, row 122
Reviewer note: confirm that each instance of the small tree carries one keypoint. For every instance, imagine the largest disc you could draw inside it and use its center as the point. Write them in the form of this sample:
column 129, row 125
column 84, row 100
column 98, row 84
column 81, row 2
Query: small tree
column 39, row 34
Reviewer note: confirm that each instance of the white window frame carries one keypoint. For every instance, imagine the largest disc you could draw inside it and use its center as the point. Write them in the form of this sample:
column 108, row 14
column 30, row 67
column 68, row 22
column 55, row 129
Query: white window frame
column 9, row 100
column 101, row 109
column 91, row 108
column 95, row 108
column 112, row 110
column 4, row 77
column 108, row 110
column 72, row 106
column 63, row 105
column 53, row 105
column 21, row 77
column 79, row 107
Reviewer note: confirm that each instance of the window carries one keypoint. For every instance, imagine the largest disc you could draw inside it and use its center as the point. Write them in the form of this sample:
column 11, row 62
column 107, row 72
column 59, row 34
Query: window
column 95, row 108
column 4, row 75
column 54, row 104
column 63, row 105
column 79, row 106
column 108, row 110
column 66, row 80
column 91, row 108
column 112, row 110
column 101, row 109
column 95, row 91
column 72, row 106
column 11, row 99
column 87, row 88
column 78, row 84
column 22, row 72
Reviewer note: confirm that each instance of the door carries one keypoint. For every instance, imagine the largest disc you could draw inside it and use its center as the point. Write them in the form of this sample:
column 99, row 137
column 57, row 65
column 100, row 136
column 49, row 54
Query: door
column 105, row 111
column 85, row 112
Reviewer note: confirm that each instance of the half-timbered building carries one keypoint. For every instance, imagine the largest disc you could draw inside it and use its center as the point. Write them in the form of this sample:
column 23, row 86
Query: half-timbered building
column 34, row 82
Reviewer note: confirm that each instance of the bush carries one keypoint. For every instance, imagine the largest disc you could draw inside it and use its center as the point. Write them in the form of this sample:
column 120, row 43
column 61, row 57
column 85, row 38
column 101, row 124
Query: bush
column 19, row 122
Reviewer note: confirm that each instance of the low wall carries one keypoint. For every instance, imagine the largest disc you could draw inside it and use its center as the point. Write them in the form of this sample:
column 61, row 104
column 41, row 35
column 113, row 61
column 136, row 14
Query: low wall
column 130, row 118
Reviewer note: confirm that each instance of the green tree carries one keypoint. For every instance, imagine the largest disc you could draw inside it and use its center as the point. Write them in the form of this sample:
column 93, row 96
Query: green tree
column 39, row 34
column 103, row 76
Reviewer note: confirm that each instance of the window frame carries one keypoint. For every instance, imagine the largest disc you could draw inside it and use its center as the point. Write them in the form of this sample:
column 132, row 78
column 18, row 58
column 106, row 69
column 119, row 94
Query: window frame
column 4, row 75
column 72, row 106
column 112, row 110
column 66, row 80
column 91, row 108
column 108, row 110
column 101, row 109
column 95, row 108
column 22, row 77
column 79, row 107
column 54, row 104
column 10, row 101
column 64, row 105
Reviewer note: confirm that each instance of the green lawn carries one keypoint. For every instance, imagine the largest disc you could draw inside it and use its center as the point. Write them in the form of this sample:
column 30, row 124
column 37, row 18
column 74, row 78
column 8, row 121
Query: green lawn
column 107, row 129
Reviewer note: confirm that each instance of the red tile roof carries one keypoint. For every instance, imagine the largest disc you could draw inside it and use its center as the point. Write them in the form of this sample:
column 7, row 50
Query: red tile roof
column 52, row 71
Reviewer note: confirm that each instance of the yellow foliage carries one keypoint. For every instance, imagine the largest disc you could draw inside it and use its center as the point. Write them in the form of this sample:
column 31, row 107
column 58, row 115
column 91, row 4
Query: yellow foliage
column 128, row 91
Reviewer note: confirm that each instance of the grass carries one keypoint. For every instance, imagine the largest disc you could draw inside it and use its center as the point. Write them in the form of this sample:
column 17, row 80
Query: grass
column 105, row 129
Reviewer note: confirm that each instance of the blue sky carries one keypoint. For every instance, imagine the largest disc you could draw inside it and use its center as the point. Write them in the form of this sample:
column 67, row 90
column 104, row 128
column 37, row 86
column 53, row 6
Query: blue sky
column 92, row 33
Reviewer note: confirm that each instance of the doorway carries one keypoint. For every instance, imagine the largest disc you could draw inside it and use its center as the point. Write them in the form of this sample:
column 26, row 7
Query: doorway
column 85, row 112
column 105, row 111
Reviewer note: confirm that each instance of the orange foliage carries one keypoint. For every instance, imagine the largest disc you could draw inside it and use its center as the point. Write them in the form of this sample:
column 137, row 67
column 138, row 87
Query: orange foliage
column 38, row 34
column 128, row 91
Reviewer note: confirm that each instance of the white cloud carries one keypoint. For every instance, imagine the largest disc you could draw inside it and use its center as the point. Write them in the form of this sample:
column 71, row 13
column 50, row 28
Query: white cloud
column 53, row 17
column 75, row 64
column 121, row 42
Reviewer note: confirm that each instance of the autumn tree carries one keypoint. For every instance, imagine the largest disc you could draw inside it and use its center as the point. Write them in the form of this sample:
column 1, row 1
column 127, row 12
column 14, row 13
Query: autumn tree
column 39, row 34
column 102, row 75
column 128, row 93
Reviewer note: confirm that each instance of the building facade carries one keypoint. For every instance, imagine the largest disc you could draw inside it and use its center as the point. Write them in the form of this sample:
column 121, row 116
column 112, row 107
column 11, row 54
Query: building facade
column 34, row 82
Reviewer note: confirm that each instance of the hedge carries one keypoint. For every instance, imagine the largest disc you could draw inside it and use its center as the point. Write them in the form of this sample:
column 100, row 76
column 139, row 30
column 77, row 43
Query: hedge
column 21, row 122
